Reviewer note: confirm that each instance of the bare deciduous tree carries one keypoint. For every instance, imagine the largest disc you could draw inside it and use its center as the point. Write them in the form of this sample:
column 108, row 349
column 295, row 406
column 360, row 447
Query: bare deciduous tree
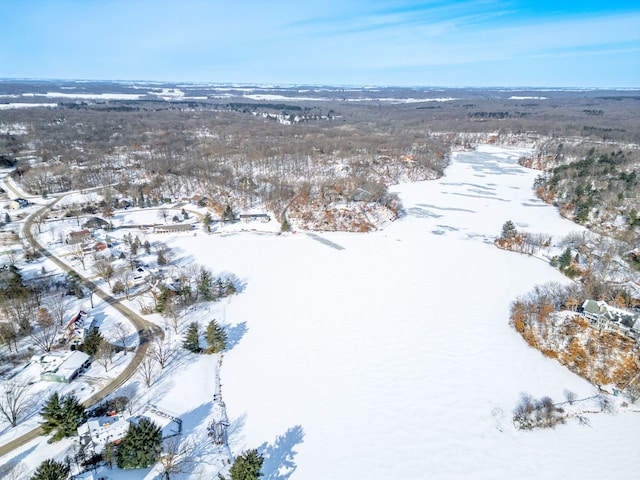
column 77, row 250
column 58, row 306
column 121, row 333
column 178, row 456
column 22, row 312
column 148, row 369
column 15, row 401
column 45, row 331
column 104, row 270
column 104, row 354
column 9, row 335
column 162, row 351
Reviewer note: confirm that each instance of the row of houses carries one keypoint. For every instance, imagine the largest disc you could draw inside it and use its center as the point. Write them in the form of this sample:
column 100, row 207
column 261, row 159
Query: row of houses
column 605, row 317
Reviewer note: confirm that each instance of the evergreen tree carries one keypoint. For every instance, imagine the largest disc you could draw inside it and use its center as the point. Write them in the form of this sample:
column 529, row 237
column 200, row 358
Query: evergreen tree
column 109, row 454
column 216, row 338
column 229, row 287
column 141, row 445
column 51, row 412
column 92, row 342
column 147, row 247
column 228, row 215
column 51, row 470
column 246, row 466
column 565, row 259
column 508, row 230
column 207, row 221
column 192, row 339
column 205, row 282
column 62, row 416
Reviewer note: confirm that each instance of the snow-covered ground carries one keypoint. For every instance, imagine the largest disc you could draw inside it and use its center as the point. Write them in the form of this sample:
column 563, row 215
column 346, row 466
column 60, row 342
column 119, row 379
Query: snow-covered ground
column 392, row 351
column 384, row 355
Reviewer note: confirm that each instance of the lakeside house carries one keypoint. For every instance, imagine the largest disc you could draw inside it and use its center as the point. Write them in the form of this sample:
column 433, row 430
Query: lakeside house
column 605, row 317
column 254, row 216
column 112, row 428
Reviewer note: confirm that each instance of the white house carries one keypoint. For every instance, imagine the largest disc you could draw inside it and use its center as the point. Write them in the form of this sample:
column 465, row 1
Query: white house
column 63, row 368
column 113, row 428
column 100, row 430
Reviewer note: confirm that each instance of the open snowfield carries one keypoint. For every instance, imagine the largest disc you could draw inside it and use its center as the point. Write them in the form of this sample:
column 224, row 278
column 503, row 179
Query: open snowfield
column 392, row 350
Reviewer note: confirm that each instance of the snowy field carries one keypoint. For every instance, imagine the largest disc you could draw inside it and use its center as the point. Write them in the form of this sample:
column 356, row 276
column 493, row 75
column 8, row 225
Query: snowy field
column 389, row 355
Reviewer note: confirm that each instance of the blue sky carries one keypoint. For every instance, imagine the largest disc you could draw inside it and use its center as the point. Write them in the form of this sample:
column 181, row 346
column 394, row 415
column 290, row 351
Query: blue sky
column 354, row 42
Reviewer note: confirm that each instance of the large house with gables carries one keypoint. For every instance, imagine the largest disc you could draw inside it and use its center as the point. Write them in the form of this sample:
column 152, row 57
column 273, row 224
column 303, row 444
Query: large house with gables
column 605, row 317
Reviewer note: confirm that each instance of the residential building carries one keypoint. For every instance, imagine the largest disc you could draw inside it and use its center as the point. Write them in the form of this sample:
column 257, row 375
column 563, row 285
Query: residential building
column 605, row 317
column 78, row 236
column 63, row 368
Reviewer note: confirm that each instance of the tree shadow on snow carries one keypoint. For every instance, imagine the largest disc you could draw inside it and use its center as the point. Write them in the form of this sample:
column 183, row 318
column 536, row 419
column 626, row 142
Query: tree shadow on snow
column 195, row 418
column 15, row 466
column 278, row 456
column 235, row 334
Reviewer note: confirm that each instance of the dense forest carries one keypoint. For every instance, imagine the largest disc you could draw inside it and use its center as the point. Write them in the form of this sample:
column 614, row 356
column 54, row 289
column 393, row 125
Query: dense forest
column 322, row 158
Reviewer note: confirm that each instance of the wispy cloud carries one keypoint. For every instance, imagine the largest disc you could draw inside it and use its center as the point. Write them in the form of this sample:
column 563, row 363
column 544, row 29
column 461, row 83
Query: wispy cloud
column 333, row 41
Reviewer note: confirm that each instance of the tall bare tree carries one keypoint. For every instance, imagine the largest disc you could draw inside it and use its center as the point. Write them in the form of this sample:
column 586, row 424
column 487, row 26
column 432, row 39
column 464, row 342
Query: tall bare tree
column 77, row 250
column 9, row 335
column 162, row 350
column 22, row 311
column 58, row 306
column 148, row 370
column 178, row 456
column 45, row 331
column 15, row 401
column 120, row 332
column 105, row 270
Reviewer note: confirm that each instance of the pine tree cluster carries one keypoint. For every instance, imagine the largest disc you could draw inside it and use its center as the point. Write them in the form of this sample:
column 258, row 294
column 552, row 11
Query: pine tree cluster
column 62, row 416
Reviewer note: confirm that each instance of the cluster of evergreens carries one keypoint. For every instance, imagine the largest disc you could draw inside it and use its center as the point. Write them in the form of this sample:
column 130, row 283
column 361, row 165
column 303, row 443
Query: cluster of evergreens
column 215, row 335
column 62, row 416
column 596, row 187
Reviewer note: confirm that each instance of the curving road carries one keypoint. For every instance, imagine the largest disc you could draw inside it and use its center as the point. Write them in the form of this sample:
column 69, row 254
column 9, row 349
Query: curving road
column 146, row 330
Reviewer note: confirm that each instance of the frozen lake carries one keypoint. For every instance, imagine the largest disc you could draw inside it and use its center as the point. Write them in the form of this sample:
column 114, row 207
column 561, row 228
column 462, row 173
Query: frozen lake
column 389, row 355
